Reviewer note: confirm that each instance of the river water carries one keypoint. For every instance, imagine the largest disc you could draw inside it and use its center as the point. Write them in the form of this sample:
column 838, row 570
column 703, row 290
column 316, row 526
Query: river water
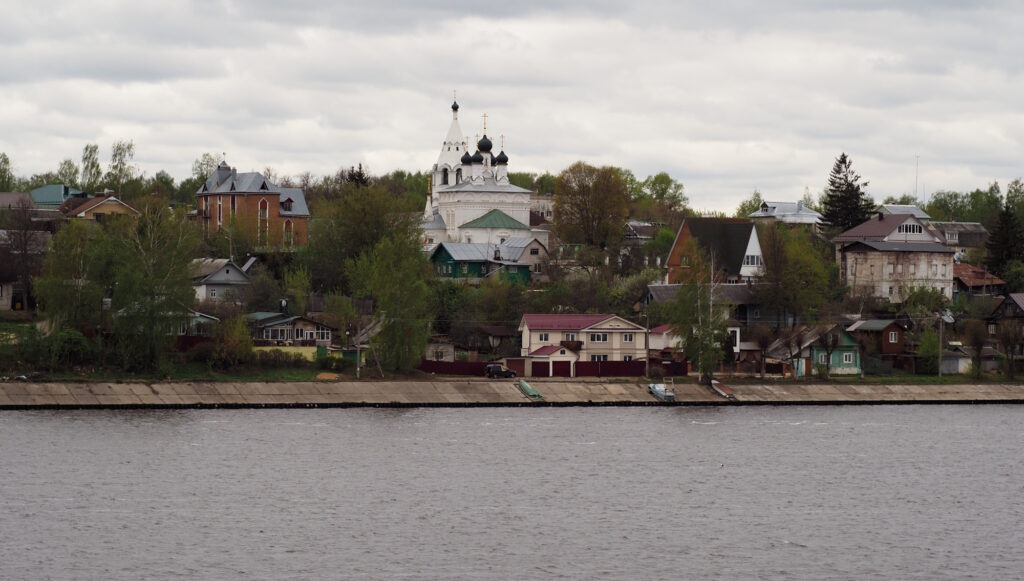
column 859, row 492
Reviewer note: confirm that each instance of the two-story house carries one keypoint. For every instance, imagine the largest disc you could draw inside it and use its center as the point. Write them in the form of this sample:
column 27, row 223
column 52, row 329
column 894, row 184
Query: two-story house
column 272, row 216
column 890, row 254
column 567, row 338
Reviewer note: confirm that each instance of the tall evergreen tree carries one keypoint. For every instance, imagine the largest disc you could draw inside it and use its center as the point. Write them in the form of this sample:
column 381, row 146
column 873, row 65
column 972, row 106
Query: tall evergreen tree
column 845, row 204
column 1006, row 242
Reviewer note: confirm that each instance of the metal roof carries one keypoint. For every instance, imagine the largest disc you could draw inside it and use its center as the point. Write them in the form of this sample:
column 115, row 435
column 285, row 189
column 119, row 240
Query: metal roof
column 903, row 209
column 496, row 219
column 903, row 246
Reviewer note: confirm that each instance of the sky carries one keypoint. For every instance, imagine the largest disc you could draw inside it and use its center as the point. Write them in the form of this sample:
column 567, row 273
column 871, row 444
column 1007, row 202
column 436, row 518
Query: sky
column 725, row 96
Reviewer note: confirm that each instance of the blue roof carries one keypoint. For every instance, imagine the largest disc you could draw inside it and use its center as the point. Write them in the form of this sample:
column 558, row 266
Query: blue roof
column 53, row 194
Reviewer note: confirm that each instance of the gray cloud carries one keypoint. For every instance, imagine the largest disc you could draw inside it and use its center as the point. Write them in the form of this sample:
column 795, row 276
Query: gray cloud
column 726, row 97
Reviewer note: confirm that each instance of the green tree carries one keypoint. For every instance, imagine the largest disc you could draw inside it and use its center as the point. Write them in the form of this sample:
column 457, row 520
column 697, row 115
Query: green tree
column 67, row 173
column 394, row 275
column 590, row 205
column 903, row 200
column 665, row 191
column 232, row 343
column 693, row 315
column 1006, row 242
column 795, row 280
column 1013, row 274
column 845, row 205
column 121, row 170
column 74, row 278
column 948, row 206
column 928, row 352
column 750, row 205
column 92, row 174
column 6, row 173
column 152, row 283
column 658, row 247
column 297, row 284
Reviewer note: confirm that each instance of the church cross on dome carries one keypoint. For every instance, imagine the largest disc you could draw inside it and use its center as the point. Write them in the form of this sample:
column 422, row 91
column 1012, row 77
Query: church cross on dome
column 485, row 123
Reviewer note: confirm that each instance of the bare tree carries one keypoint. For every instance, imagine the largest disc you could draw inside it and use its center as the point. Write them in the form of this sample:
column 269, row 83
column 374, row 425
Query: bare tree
column 1010, row 337
column 976, row 336
column 828, row 341
column 24, row 247
column 763, row 338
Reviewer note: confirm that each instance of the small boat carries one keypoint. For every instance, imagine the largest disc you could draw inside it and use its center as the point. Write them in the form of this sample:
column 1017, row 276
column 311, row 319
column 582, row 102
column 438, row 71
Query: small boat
column 661, row 391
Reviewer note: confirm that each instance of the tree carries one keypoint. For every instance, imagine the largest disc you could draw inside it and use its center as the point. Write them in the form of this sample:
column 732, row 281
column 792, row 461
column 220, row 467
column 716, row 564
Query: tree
column 763, row 338
column 665, row 191
column 928, row 352
column 25, row 248
column 750, row 205
column 975, row 337
column 904, row 200
column 6, row 173
column 91, row 171
column 393, row 274
column 297, row 286
column 693, row 315
column 1010, row 337
column 845, row 205
column 795, row 280
column 74, row 279
column 590, row 205
column 205, row 165
column 1006, row 242
column 67, row 173
column 1013, row 274
column 121, row 171
column 828, row 341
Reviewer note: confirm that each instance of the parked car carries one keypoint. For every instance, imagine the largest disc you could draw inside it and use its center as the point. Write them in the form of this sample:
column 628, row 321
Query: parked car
column 498, row 370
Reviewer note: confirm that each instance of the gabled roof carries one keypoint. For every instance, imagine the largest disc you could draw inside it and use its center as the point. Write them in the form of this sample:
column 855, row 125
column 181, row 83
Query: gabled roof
column 875, row 228
column 436, row 222
column 735, row 294
column 202, row 268
column 298, row 198
column 873, row 325
column 567, row 322
column 903, row 209
column 789, row 212
column 724, row 238
column 74, row 207
column 547, row 350
column 496, row 219
column 973, row 227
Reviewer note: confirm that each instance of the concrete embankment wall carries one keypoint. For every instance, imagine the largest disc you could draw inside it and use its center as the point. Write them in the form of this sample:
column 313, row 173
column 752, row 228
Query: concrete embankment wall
column 463, row 392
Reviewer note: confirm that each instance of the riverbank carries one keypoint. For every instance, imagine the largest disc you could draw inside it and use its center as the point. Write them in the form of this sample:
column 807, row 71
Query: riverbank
column 471, row 392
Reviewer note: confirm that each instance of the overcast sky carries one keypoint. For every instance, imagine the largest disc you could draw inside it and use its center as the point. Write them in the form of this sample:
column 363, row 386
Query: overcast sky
column 726, row 96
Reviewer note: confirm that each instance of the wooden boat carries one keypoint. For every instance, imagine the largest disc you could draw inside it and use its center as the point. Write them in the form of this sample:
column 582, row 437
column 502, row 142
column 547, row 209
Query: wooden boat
column 661, row 391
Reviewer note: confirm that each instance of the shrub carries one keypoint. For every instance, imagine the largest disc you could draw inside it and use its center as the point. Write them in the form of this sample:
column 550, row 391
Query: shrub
column 657, row 373
column 202, row 352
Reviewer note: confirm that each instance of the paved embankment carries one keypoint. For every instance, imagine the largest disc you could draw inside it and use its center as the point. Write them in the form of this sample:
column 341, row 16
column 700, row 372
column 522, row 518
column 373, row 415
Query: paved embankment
column 470, row 392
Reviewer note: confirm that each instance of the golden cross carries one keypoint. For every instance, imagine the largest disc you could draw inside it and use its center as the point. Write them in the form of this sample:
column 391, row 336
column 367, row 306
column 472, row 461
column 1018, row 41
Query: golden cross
column 485, row 123
column 503, row 142
column 454, row 98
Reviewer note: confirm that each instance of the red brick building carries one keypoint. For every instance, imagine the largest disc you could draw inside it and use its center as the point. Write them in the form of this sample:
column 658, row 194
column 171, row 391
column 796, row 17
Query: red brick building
column 271, row 215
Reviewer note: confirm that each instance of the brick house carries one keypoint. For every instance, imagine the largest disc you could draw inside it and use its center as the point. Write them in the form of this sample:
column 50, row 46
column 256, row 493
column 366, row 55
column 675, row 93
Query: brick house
column 271, row 215
column 732, row 244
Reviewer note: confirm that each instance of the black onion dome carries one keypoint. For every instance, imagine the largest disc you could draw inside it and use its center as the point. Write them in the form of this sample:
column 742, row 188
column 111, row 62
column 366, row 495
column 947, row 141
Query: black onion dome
column 478, row 157
column 466, row 158
column 455, row 105
column 502, row 159
column 485, row 144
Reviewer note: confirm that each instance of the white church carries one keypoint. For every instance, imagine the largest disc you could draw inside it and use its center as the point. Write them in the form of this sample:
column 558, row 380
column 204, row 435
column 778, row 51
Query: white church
column 471, row 200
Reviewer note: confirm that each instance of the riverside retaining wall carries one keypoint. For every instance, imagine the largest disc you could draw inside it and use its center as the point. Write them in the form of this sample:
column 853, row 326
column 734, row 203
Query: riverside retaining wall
column 474, row 393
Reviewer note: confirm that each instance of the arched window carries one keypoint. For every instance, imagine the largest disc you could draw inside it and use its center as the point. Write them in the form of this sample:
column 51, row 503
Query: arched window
column 289, row 236
column 444, row 176
column 264, row 221
column 458, row 176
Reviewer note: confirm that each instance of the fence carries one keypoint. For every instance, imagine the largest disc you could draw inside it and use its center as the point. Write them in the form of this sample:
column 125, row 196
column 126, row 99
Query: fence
column 610, row 368
column 453, row 367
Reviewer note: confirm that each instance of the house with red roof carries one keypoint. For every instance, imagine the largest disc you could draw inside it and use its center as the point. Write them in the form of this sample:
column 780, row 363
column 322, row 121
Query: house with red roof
column 563, row 339
column 890, row 254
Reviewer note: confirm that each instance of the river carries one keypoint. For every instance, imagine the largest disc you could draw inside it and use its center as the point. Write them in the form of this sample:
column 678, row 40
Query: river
column 858, row 492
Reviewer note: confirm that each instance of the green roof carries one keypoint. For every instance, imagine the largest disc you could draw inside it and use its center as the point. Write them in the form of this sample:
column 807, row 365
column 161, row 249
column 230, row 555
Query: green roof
column 496, row 219
column 53, row 194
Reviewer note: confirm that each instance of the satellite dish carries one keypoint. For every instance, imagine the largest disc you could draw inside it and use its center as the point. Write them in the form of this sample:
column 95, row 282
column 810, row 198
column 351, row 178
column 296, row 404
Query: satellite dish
column 947, row 317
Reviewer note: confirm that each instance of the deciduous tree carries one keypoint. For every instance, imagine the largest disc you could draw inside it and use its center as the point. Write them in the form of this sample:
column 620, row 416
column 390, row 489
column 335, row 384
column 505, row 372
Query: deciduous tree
column 92, row 173
column 590, row 205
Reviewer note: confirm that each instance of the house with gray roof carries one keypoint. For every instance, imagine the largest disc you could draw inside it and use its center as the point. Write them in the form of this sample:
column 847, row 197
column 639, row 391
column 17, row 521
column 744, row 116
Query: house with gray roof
column 787, row 213
column 889, row 255
column 218, row 279
column 517, row 259
column 273, row 216
column 911, row 209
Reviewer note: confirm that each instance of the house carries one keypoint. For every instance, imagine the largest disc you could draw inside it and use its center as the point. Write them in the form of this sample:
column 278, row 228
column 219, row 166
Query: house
column 12, row 200
column 903, row 209
column 962, row 236
column 890, row 254
column 589, row 337
column 95, row 208
column 737, row 302
column 271, row 215
column 51, row 196
column 514, row 259
column 21, row 255
column 730, row 243
column 269, row 328
column 805, row 352
column 885, row 340
column 218, row 279
column 971, row 281
column 787, row 213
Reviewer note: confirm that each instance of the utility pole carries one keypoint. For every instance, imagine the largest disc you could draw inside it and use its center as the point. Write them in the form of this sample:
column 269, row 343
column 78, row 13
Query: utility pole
column 942, row 324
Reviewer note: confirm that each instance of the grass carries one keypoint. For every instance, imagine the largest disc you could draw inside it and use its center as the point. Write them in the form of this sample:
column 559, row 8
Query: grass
column 182, row 372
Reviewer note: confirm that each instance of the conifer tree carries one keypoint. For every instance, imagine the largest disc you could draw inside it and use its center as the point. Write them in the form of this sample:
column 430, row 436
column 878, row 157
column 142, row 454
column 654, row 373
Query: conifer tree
column 1006, row 242
column 845, row 204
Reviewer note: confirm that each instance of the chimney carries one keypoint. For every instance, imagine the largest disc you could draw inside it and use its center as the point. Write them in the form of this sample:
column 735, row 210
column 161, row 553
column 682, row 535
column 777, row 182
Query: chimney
column 881, row 216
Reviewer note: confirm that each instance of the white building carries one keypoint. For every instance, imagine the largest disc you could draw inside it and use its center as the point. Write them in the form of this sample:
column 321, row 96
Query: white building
column 471, row 199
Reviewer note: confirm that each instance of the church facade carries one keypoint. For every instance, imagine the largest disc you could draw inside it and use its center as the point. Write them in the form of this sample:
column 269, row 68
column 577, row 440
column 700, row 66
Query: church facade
column 471, row 200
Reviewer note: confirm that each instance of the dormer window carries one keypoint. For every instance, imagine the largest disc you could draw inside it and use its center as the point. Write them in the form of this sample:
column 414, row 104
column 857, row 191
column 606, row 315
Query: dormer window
column 286, row 205
column 263, row 186
column 910, row 229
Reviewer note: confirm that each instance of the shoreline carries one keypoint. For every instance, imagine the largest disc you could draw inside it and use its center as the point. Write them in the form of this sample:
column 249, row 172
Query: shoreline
column 476, row 393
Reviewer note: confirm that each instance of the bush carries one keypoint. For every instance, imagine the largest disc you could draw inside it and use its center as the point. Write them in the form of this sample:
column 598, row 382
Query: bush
column 69, row 347
column 202, row 352
column 657, row 373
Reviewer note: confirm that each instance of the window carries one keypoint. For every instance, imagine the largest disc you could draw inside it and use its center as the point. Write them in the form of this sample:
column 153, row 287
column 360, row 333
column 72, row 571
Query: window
column 627, row 357
column 213, row 293
column 542, row 337
column 233, row 205
column 913, row 268
column 289, row 234
column 822, row 358
column 430, row 240
column 952, row 236
column 220, row 210
column 899, row 269
column 598, row 338
column 465, row 268
column 444, row 177
column 848, row 358
column 536, row 267
column 910, row 229
column 534, row 251
column 570, row 336
column 892, row 336
column 892, row 269
column 890, row 291
column 935, row 270
column 599, row 358
column 752, row 260
column 627, row 337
